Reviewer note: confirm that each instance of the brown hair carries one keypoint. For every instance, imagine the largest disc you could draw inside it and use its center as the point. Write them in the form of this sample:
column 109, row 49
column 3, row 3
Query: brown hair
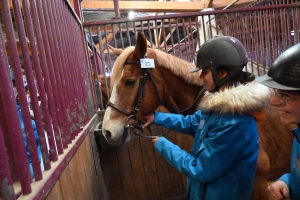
column 239, row 78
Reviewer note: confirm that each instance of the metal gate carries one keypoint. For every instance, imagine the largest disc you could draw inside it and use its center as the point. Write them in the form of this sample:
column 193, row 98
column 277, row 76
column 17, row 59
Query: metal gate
column 48, row 105
column 134, row 170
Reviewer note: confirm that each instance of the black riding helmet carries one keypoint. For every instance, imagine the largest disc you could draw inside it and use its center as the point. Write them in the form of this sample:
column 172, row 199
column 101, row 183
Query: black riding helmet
column 221, row 51
column 284, row 73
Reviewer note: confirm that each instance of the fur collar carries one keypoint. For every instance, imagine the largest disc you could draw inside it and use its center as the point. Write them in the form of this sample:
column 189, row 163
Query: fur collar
column 250, row 98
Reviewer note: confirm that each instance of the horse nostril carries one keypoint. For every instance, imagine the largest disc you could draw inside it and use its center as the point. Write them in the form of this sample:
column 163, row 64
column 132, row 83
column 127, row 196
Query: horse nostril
column 107, row 134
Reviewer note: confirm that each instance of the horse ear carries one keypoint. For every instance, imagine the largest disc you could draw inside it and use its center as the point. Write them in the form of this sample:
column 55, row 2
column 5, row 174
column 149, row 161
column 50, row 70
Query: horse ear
column 140, row 46
column 116, row 51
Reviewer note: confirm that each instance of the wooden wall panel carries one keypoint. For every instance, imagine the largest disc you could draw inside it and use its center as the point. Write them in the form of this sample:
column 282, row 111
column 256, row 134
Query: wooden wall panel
column 86, row 172
column 88, row 164
column 77, row 170
column 79, row 180
column 66, row 184
column 150, row 168
column 137, row 164
column 55, row 193
column 113, row 178
column 126, row 175
column 136, row 171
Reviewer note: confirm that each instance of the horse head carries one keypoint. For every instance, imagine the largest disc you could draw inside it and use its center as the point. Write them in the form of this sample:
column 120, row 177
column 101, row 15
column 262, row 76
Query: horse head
column 137, row 91
column 131, row 94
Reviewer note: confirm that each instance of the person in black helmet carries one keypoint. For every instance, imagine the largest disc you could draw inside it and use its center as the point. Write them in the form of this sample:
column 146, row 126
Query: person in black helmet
column 284, row 77
column 222, row 162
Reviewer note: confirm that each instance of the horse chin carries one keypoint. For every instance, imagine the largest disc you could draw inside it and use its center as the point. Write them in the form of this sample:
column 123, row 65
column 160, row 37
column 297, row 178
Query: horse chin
column 126, row 137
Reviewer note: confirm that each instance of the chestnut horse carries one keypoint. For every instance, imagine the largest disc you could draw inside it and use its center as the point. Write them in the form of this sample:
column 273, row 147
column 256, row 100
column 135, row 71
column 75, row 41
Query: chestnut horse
column 137, row 92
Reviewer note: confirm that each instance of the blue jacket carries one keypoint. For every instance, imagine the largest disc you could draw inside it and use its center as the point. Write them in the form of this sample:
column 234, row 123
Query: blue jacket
column 222, row 162
column 292, row 179
column 223, row 159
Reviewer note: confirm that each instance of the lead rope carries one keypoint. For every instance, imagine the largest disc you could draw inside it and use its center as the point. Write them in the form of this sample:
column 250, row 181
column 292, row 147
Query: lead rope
column 139, row 126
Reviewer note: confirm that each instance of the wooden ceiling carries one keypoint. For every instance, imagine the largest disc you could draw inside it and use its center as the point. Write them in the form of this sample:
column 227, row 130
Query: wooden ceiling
column 104, row 9
column 94, row 10
column 162, row 6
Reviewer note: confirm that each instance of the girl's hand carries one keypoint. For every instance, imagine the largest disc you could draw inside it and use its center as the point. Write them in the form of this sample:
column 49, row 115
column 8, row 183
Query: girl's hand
column 278, row 190
column 149, row 120
column 155, row 140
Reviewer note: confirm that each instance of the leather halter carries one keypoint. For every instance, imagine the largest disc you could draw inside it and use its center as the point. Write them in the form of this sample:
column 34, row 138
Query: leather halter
column 141, row 91
column 138, row 99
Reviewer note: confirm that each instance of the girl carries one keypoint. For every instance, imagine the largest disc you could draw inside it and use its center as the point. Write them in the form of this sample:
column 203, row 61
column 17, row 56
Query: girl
column 223, row 158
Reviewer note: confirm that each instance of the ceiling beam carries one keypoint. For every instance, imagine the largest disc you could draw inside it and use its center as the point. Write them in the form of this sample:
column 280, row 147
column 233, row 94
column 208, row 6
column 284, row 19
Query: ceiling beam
column 159, row 6
column 145, row 6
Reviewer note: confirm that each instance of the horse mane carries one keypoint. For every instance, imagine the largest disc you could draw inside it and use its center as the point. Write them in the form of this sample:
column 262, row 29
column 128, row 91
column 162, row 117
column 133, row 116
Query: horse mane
column 176, row 65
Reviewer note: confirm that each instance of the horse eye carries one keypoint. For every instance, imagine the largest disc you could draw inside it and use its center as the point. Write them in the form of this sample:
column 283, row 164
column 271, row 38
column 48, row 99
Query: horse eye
column 130, row 82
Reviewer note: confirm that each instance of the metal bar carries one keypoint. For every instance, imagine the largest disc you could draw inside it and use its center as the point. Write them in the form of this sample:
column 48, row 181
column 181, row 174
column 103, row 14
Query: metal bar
column 77, row 9
column 32, row 86
column 262, row 42
column 103, row 63
column 94, row 66
column 82, row 71
column 56, row 172
column 150, row 35
column 278, row 31
column 171, row 37
column 9, row 103
column 33, row 96
column 164, row 36
column 41, row 89
column 178, row 37
column 41, row 42
column 150, row 27
column 57, row 67
column 7, row 189
column 268, row 44
column 157, row 45
column 193, row 14
column 192, row 39
column 296, row 25
column 288, row 25
column 108, row 50
column 117, row 9
column 128, row 34
column 284, row 29
column 185, row 43
column 63, row 71
column 48, row 42
column 142, row 27
column 121, row 37
column 114, row 35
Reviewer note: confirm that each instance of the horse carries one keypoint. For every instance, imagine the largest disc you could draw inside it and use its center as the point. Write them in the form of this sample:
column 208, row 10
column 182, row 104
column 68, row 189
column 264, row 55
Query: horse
column 137, row 92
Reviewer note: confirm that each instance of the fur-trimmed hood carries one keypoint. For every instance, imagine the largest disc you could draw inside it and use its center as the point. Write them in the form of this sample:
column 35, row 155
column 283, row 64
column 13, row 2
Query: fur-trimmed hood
column 250, row 98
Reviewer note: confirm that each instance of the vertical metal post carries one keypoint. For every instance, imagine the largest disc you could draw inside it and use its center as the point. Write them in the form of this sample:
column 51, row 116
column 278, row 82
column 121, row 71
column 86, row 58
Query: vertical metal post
column 117, row 9
column 9, row 102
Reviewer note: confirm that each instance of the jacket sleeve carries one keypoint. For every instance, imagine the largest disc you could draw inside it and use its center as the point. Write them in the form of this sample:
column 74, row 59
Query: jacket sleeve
column 216, row 154
column 285, row 178
column 178, row 122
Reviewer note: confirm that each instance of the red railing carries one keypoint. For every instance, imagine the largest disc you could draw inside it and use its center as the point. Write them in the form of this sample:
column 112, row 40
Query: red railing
column 266, row 31
column 43, row 44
